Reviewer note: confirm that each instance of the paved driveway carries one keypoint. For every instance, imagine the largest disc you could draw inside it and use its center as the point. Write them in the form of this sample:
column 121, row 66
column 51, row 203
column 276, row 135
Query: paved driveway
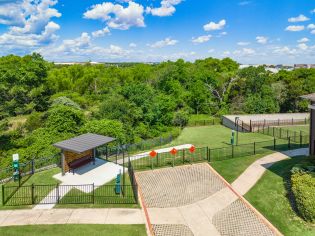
column 194, row 200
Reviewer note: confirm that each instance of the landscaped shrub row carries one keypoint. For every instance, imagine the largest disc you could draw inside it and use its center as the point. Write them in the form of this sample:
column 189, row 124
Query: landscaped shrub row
column 303, row 188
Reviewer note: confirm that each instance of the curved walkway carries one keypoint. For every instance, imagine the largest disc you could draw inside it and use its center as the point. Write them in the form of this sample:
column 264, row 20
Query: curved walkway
column 225, row 212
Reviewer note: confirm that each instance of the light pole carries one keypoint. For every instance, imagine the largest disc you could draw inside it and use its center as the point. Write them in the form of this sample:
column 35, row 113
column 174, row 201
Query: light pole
column 236, row 122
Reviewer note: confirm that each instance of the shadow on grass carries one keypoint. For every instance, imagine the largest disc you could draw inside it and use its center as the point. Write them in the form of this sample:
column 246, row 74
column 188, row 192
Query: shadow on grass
column 282, row 169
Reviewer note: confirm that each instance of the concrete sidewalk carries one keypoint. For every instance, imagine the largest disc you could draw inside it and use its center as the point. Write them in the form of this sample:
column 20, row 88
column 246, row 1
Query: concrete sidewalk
column 255, row 171
column 72, row 216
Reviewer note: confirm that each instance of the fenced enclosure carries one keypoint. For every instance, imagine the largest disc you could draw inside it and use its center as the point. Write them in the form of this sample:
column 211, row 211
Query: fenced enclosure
column 203, row 122
column 203, row 154
column 283, row 133
column 30, row 167
column 75, row 194
column 255, row 125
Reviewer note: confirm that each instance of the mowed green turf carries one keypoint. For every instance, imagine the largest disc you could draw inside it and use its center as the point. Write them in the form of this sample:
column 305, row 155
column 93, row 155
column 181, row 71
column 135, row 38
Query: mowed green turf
column 40, row 178
column 215, row 136
column 74, row 230
column 232, row 168
column 298, row 128
column 270, row 197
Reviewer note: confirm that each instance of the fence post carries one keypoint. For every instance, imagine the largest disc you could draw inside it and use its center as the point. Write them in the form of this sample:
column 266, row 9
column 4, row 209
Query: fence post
column 32, row 194
column 274, row 144
column 300, row 138
column 250, row 125
column 292, row 121
column 273, row 131
column 157, row 159
column 280, row 132
column 209, row 153
column 2, row 186
column 289, row 143
column 232, row 151
column 183, row 156
column 254, row 148
column 33, row 166
column 93, row 196
column 287, row 133
column 57, row 193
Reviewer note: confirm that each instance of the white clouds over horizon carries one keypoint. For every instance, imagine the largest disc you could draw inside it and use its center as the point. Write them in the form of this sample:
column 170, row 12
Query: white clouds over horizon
column 214, row 26
column 201, row 39
column 300, row 18
column 117, row 16
column 163, row 43
column 166, row 9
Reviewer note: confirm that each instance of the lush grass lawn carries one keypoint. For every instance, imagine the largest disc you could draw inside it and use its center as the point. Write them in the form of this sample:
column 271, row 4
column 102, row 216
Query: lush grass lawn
column 232, row 168
column 75, row 230
column 104, row 194
column 215, row 136
column 105, row 197
column 297, row 128
column 270, row 197
column 43, row 177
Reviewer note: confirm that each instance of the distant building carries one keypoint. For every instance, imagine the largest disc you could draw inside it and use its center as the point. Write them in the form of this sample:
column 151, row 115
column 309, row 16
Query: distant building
column 300, row 66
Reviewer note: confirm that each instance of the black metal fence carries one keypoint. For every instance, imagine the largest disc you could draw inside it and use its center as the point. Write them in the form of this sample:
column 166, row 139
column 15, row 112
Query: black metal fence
column 68, row 194
column 216, row 154
column 254, row 125
column 283, row 133
column 203, row 122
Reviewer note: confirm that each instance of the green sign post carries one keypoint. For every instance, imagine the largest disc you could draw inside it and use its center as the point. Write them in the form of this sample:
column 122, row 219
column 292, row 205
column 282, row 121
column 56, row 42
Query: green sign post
column 16, row 167
column 233, row 138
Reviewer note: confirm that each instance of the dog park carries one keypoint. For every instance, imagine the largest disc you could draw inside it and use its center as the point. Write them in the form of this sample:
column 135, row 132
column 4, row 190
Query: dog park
column 211, row 180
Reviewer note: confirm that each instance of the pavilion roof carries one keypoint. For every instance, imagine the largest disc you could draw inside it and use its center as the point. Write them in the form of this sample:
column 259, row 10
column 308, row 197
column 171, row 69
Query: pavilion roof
column 83, row 142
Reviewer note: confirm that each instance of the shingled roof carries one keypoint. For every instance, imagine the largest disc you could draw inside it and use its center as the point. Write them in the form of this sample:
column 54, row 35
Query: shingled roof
column 83, row 142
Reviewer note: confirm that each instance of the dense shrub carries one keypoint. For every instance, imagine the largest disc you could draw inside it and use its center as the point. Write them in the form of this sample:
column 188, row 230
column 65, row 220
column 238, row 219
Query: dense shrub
column 64, row 119
column 66, row 102
column 34, row 121
column 105, row 127
column 303, row 188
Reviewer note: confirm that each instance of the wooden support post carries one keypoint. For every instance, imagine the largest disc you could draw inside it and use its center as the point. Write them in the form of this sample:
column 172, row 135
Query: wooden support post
column 183, row 156
column 254, row 148
column 274, row 144
column 63, row 162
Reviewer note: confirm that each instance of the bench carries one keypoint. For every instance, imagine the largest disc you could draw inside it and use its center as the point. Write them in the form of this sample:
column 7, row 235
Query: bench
column 80, row 162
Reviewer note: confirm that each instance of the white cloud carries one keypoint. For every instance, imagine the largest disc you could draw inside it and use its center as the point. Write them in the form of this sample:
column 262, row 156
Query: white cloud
column 132, row 45
column 163, row 43
column 243, row 43
column 311, row 26
column 116, row 16
column 166, row 9
column 244, row 3
column 302, row 46
column 261, row 39
column 313, row 32
column 201, row 39
column 226, row 53
column 295, row 28
column 214, row 26
column 300, row 18
column 211, row 50
column 303, row 40
column 29, row 23
column 284, row 51
column 244, row 52
column 100, row 33
column 81, row 48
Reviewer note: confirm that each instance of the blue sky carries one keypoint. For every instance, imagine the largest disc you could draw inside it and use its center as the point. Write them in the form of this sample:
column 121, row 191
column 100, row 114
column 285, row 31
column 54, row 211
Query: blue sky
column 249, row 31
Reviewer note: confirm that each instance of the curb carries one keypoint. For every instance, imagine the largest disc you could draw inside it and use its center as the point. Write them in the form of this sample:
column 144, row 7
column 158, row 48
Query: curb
column 256, row 212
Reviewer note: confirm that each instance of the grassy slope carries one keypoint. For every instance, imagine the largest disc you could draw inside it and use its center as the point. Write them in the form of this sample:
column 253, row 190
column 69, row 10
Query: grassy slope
column 232, row 168
column 75, row 230
column 43, row 177
column 298, row 128
column 214, row 136
column 270, row 197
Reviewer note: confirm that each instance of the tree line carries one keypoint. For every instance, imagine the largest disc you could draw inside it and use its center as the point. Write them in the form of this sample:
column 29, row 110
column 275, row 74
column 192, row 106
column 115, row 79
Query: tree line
column 131, row 102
